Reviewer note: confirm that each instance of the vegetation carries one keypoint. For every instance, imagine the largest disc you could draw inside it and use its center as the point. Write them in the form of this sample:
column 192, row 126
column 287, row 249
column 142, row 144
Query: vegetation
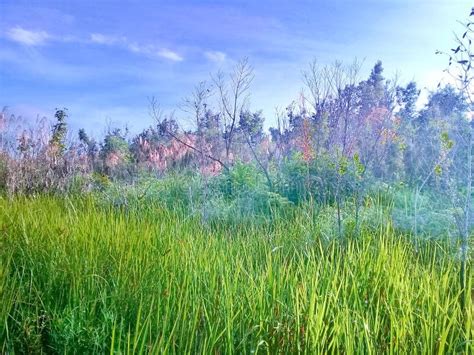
column 347, row 228
column 86, row 277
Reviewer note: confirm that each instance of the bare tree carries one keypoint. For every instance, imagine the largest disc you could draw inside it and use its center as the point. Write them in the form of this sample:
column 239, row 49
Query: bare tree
column 196, row 105
column 233, row 95
column 333, row 100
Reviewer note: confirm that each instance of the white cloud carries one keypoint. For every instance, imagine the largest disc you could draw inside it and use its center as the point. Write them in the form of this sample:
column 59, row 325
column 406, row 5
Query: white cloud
column 27, row 37
column 36, row 38
column 102, row 39
column 134, row 47
column 215, row 56
column 169, row 54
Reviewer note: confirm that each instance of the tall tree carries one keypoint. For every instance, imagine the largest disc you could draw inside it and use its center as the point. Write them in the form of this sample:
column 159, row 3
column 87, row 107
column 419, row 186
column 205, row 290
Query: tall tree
column 59, row 131
column 233, row 92
column 460, row 67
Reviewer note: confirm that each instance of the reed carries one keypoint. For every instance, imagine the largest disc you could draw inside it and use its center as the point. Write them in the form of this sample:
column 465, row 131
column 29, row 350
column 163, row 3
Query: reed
column 83, row 278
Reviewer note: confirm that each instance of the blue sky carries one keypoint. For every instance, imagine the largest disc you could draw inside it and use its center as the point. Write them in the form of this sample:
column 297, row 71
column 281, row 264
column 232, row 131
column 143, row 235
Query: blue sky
column 102, row 59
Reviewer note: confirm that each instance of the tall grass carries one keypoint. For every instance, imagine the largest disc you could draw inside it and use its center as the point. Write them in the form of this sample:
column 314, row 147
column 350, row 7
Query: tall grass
column 80, row 277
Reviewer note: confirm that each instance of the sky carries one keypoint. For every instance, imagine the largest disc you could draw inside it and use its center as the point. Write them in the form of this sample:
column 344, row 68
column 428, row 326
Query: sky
column 104, row 59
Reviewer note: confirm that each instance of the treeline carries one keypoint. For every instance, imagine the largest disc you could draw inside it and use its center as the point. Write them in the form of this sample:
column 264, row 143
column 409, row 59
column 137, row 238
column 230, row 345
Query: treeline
column 370, row 129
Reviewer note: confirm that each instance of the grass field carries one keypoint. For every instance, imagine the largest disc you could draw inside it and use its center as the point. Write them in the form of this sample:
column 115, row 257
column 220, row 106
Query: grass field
column 78, row 277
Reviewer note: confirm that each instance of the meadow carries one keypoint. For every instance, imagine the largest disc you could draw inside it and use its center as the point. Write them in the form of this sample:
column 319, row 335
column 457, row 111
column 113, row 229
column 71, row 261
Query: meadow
column 343, row 224
column 82, row 276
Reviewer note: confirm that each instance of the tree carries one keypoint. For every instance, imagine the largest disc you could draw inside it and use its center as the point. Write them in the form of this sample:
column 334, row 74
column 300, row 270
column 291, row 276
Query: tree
column 460, row 68
column 89, row 144
column 59, row 131
column 251, row 127
column 334, row 97
column 406, row 98
column 206, row 124
column 169, row 126
column 233, row 97
column 115, row 153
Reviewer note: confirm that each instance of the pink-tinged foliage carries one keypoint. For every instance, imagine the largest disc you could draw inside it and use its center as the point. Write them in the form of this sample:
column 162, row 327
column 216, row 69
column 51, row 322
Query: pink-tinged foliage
column 114, row 159
column 211, row 169
column 376, row 131
column 162, row 156
column 266, row 148
column 306, row 143
column 30, row 162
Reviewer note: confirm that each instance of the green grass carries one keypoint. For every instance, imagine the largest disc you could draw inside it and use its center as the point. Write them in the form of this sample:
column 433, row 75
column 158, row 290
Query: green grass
column 78, row 277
